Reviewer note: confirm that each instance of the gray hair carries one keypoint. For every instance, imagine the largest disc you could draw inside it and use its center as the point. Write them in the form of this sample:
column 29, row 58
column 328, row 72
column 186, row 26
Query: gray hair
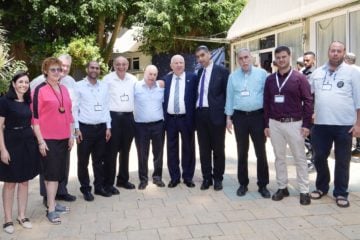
column 65, row 57
column 240, row 50
column 350, row 58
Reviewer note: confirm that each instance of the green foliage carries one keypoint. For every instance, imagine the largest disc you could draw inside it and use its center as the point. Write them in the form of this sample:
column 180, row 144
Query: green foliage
column 162, row 20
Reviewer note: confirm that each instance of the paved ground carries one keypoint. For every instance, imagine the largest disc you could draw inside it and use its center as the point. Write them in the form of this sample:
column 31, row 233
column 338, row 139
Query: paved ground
column 183, row 213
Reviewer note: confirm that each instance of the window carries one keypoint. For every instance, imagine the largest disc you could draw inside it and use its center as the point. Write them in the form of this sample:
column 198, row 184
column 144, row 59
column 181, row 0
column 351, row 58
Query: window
column 136, row 63
column 355, row 35
column 267, row 42
column 293, row 39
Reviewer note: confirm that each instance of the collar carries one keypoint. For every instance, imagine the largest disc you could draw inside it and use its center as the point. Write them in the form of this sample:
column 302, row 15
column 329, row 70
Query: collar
column 248, row 72
column 327, row 67
column 285, row 74
column 143, row 84
column 90, row 84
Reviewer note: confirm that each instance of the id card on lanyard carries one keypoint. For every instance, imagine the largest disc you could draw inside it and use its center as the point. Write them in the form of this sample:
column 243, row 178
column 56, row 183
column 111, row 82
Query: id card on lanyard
column 280, row 98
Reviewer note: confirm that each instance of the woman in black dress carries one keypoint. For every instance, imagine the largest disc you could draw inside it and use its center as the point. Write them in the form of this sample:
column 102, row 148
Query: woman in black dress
column 19, row 151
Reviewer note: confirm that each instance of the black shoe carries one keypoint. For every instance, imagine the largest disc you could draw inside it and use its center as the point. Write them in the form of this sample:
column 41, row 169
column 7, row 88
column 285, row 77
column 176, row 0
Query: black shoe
column 158, row 182
column 355, row 152
column 113, row 190
column 65, row 197
column 189, row 183
column 173, row 184
column 241, row 190
column 103, row 192
column 142, row 185
column 280, row 194
column 127, row 185
column 88, row 196
column 218, row 185
column 45, row 202
column 206, row 184
column 264, row 192
column 305, row 199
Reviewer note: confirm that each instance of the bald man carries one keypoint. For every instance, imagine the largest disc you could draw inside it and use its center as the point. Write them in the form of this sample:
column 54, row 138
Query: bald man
column 121, row 88
column 149, row 126
column 179, row 108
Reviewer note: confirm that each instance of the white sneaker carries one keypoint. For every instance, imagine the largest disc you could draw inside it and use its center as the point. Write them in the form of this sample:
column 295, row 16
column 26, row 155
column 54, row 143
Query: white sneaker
column 9, row 227
column 25, row 223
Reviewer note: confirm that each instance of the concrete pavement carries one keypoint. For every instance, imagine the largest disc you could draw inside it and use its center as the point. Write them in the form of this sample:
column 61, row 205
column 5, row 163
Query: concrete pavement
column 184, row 213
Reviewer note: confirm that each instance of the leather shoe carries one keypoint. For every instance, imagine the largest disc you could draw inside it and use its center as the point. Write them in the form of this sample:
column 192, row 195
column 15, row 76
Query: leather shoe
column 127, row 185
column 189, row 183
column 173, row 184
column 102, row 192
column 65, row 197
column 88, row 196
column 241, row 190
column 218, row 185
column 159, row 183
column 113, row 190
column 280, row 194
column 142, row 185
column 305, row 199
column 264, row 192
column 206, row 184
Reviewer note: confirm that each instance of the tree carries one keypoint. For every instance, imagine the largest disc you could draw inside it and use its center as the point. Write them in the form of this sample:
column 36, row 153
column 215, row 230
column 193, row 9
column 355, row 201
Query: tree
column 162, row 20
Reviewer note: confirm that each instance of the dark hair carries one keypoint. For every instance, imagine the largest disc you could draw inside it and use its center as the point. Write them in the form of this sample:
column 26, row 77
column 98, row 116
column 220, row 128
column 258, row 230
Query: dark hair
column 92, row 61
column 11, row 94
column 309, row 53
column 202, row 47
column 283, row 49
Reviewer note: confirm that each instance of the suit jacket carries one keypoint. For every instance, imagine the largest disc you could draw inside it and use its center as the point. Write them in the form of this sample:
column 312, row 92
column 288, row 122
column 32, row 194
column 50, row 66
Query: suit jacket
column 189, row 98
column 216, row 93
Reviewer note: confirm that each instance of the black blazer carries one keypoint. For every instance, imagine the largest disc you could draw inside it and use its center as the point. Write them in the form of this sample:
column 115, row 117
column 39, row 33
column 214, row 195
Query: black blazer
column 189, row 97
column 216, row 93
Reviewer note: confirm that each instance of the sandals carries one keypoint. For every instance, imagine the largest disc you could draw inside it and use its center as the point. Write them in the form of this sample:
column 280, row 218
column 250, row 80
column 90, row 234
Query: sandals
column 9, row 227
column 25, row 223
column 317, row 194
column 61, row 209
column 53, row 217
column 342, row 202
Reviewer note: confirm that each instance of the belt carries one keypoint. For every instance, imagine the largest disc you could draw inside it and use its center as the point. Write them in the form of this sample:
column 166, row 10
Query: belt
column 92, row 125
column 121, row 113
column 16, row 128
column 177, row 115
column 155, row 122
column 250, row 112
column 288, row 119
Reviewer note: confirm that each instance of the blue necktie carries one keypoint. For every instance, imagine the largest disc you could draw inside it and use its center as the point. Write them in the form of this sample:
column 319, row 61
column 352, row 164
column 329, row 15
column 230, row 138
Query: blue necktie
column 176, row 97
column 202, row 83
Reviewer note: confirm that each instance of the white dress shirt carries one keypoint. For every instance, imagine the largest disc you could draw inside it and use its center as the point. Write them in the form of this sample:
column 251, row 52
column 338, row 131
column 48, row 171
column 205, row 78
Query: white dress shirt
column 182, row 83
column 121, row 92
column 206, row 85
column 92, row 105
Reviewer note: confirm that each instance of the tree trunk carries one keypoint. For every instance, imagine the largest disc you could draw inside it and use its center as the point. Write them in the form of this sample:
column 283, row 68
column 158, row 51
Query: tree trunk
column 101, row 32
column 109, row 48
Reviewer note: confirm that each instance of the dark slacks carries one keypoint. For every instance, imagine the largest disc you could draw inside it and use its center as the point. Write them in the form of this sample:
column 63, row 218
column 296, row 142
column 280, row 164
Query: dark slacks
column 252, row 125
column 174, row 127
column 323, row 137
column 122, row 134
column 211, row 140
column 144, row 134
column 93, row 143
column 62, row 188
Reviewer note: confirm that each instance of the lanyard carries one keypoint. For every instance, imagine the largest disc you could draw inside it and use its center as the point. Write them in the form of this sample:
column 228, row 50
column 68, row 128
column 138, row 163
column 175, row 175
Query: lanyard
column 283, row 84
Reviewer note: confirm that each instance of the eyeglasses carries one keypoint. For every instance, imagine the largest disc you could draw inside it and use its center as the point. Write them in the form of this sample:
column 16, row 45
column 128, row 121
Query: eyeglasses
column 53, row 70
column 96, row 68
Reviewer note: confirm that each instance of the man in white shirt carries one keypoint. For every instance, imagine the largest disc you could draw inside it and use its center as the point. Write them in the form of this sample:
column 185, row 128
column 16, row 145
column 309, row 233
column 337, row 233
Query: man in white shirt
column 92, row 129
column 121, row 90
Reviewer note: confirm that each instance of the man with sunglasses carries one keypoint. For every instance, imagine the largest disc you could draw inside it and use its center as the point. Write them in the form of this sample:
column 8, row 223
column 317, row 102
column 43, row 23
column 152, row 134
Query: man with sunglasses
column 69, row 83
column 92, row 129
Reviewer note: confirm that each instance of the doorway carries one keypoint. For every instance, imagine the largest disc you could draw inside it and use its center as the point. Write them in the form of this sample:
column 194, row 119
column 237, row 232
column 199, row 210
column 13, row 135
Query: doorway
column 266, row 60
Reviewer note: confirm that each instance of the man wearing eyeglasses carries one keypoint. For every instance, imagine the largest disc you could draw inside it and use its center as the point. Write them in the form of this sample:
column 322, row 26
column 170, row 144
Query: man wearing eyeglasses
column 69, row 83
column 92, row 129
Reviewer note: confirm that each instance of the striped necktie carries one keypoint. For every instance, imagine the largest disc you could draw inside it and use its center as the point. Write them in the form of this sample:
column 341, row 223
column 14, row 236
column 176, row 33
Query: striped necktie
column 176, row 97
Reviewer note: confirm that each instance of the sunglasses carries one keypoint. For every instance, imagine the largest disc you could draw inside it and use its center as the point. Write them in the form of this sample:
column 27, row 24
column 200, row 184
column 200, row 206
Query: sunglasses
column 53, row 70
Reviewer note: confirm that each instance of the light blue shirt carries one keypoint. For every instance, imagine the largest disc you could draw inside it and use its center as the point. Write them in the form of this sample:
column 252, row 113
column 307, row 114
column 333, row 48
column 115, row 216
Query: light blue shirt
column 148, row 103
column 245, row 91
column 92, row 103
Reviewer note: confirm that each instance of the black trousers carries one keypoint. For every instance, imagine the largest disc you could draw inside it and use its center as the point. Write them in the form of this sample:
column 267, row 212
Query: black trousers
column 122, row 134
column 93, row 143
column 62, row 188
column 251, row 125
column 144, row 134
column 211, row 139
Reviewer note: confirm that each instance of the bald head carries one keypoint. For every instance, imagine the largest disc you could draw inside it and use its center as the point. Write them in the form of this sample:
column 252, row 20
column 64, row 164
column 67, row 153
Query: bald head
column 121, row 65
column 336, row 54
column 150, row 75
column 177, row 64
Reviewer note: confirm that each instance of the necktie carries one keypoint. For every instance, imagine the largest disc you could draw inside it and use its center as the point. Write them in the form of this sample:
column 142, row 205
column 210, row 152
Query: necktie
column 202, row 83
column 176, row 97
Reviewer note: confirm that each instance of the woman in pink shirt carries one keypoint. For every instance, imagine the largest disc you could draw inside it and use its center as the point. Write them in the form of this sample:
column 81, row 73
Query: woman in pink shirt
column 52, row 121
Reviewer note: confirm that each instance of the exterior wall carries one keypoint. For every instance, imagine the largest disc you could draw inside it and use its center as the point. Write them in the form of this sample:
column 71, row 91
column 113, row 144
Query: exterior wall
column 144, row 60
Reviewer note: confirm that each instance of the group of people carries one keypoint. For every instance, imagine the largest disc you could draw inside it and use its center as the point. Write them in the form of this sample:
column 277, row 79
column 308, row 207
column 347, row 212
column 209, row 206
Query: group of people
column 104, row 116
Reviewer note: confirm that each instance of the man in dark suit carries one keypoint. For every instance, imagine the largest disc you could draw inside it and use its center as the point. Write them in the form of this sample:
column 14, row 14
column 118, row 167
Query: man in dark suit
column 210, row 118
column 179, row 107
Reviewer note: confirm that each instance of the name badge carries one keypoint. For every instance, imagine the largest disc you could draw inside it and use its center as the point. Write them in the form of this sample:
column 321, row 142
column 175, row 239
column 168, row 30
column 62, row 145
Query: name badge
column 124, row 98
column 245, row 93
column 326, row 87
column 279, row 98
column 97, row 108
